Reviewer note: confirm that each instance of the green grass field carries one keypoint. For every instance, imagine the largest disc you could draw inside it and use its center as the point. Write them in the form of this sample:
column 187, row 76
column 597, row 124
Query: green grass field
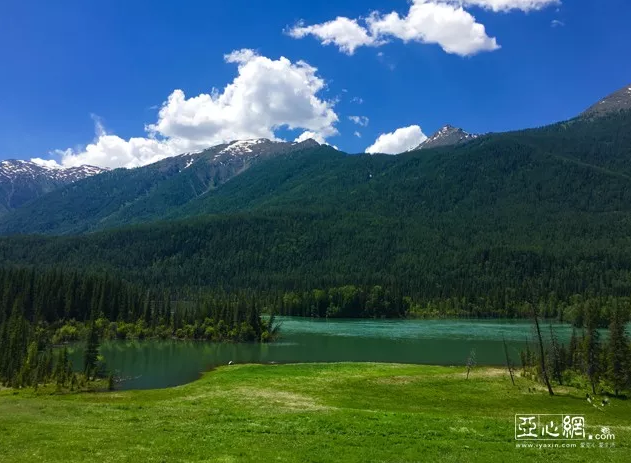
column 306, row 412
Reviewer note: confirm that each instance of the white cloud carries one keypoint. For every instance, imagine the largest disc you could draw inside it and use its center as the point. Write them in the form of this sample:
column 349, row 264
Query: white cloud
column 360, row 120
column 357, row 134
column 557, row 23
column 451, row 27
column 508, row 5
column 265, row 95
column 311, row 135
column 357, row 100
column 399, row 141
column 112, row 151
column 49, row 163
column 343, row 32
column 441, row 22
column 438, row 22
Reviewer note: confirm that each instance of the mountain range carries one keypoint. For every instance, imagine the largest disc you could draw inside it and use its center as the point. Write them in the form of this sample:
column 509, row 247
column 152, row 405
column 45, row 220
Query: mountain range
column 22, row 181
column 123, row 196
column 54, row 203
column 65, row 201
column 545, row 209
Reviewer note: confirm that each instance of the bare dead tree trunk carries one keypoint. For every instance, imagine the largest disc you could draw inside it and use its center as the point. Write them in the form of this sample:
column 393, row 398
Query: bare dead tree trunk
column 470, row 362
column 508, row 361
column 542, row 351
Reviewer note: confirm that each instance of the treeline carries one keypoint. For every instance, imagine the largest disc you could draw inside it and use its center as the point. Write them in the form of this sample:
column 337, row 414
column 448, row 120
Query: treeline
column 301, row 253
column 344, row 302
column 41, row 308
column 56, row 297
column 572, row 310
column 602, row 363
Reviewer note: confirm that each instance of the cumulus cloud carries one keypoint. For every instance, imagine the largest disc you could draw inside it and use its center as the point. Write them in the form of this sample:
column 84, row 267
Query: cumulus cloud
column 399, row 141
column 112, row 151
column 304, row 136
column 342, row 32
column 48, row 163
column 360, row 120
column 266, row 95
column 442, row 22
column 451, row 27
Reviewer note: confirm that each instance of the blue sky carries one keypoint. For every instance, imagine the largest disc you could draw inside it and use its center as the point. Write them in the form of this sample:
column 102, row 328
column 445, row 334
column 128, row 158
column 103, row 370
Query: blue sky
column 75, row 73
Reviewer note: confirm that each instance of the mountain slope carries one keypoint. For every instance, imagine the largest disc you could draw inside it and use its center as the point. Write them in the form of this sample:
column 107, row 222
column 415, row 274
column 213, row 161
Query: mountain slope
column 446, row 136
column 322, row 179
column 488, row 221
column 125, row 196
column 233, row 178
column 617, row 101
column 22, row 181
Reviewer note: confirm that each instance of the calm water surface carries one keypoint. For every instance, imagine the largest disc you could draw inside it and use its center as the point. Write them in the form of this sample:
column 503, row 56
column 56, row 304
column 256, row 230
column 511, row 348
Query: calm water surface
column 158, row 364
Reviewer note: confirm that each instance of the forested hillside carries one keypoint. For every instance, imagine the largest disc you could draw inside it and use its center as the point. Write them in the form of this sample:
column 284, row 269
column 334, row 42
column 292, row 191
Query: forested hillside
column 476, row 229
column 125, row 196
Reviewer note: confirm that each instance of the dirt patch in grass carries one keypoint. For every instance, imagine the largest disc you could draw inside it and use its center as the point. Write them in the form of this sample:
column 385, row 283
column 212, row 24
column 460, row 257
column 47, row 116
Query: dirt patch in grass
column 459, row 373
column 485, row 372
column 280, row 400
column 400, row 379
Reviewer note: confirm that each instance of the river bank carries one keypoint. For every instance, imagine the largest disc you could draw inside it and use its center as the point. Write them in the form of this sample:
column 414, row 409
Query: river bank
column 304, row 412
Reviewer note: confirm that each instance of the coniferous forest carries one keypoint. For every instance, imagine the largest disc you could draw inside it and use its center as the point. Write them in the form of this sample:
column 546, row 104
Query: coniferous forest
column 483, row 229
column 594, row 359
column 43, row 309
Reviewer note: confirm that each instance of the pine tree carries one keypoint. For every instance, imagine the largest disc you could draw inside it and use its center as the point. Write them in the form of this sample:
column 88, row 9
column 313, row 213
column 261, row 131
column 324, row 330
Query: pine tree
column 573, row 351
column 16, row 345
column 91, row 351
column 557, row 360
column 62, row 366
column 30, row 367
column 591, row 346
column 45, row 369
column 618, row 351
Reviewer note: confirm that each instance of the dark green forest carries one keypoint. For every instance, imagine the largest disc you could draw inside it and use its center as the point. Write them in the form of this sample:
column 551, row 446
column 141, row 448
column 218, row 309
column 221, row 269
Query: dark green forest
column 479, row 229
column 594, row 359
column 40, row 309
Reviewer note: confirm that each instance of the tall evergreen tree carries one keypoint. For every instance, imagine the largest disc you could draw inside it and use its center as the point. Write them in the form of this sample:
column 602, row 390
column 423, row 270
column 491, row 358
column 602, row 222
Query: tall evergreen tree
column 556, row 357
column 91, row 354
column 618, row 351
column 591, row 346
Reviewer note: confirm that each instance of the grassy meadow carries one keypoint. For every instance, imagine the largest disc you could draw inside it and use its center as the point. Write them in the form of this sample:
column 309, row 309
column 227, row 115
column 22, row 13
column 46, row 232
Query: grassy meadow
column 346, row 412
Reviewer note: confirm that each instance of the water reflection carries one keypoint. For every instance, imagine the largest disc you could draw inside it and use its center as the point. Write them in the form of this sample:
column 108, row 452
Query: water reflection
column 157, row 364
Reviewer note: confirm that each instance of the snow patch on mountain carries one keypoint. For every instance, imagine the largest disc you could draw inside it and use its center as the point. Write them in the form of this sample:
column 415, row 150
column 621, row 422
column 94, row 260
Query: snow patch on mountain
column 14, row 169
column 446, row 136
column 244, row 146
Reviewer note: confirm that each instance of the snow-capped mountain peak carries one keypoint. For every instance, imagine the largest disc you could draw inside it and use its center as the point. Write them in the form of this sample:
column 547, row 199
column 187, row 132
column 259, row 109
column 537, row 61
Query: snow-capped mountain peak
column 15, row 168
column 237, row 147
column 256, row 145
column 446, row 136
column 21, row 181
